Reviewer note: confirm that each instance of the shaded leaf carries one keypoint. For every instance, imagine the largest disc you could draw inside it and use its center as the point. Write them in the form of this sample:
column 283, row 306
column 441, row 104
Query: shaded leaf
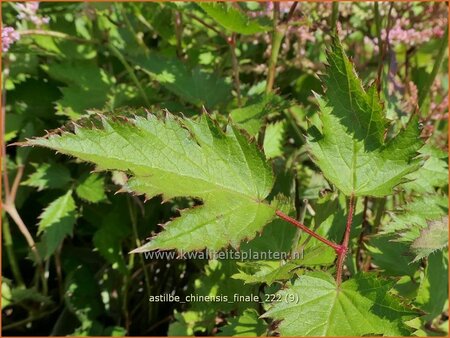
column 394, row 258
column 246, row 325
column 87, row 87
column 192, row 85
column 48, row 176
column 433, row 289
column 251, row 116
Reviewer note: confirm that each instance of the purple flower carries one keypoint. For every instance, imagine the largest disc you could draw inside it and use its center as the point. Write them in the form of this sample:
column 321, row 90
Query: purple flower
column 9, row 36
column 28, row 12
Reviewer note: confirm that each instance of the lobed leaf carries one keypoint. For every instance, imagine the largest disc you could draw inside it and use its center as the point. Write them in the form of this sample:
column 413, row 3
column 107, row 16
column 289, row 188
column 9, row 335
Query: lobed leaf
column 315, row 306
column 350, row 148
column 180, row 157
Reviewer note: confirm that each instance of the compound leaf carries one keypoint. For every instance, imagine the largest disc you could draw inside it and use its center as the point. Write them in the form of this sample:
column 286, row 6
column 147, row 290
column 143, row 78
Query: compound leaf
column 351, row 149
column 181, row 157
column 315, row 306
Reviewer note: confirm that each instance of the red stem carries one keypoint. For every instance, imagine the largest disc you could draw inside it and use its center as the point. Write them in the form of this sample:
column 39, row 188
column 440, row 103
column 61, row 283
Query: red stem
column 293, row 221
column 342, row 253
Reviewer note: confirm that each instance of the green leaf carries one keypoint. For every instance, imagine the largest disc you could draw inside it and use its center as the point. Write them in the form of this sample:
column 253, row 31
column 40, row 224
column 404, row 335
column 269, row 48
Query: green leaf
column 433, row 173
column 233, row 19
column 57, row 222
column 246, row 325
column 315, row 306
column 181, row 157
column 432, row 238
column 274, row 139
column 91, row 188
column 114, row 228
column 6, row 294
column 350, row 148
column 407, row 222
column 264, row 271
column 216, row 281
column 48, row 176
column 392, row 257
column 82, row 296
column 251, row 116
column 19, row 295
column 188, row 323
column 433, row 289
column 87, row 87
column 192, row 85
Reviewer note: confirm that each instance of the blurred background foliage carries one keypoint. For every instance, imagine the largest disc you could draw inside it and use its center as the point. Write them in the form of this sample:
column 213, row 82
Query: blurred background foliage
column 66, row 234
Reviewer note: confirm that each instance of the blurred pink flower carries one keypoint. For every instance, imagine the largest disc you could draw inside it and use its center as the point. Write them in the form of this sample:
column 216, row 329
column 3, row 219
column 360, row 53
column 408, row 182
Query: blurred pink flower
column 9, row 36
column 28, row 12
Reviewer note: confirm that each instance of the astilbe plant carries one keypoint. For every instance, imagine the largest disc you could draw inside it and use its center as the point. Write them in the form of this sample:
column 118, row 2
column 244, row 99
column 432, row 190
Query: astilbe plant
column 176, row 156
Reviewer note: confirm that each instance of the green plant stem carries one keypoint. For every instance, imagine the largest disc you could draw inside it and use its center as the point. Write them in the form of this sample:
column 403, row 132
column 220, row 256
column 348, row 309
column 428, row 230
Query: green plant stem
column 437, row 65
column 235, row 63
column 30, row 319
column 7, row 238
column 298, row 232
column 139, row 244
column 343, row 250
column 130, row 71
column 55, row 34
column 334, row 16
column 296, row 223
column 178, row 18
column 10, row 192
column 277, row 38
column 380, row 45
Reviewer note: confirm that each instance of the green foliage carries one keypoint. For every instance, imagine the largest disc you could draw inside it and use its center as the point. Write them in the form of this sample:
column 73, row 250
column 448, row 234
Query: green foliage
column 349, row 146
column 192, row 85
column 246, row 325
column 339, row 311
column 57, row 221
column 233, row 19
column 274, row 139
column 432, row 238
column 91, row 188
column 252, row 115
column 234, row 150
column 433, row 290
column 208, row 163
column 48, row 176
column 407, row 222
column 87, row 87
